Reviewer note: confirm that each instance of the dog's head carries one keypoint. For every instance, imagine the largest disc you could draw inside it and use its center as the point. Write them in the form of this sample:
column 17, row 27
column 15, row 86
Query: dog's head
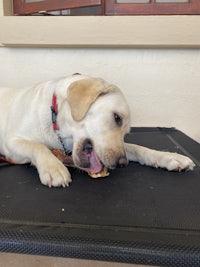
column 101, row 118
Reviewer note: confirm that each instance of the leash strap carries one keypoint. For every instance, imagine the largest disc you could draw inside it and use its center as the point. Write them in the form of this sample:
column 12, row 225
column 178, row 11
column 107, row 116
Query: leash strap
column 4, row 161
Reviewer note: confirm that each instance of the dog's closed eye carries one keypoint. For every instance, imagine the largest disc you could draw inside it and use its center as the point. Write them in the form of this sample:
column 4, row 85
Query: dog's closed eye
column 118, row 119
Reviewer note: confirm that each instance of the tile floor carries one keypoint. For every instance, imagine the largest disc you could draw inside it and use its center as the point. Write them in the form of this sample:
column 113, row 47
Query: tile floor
column 18, row 260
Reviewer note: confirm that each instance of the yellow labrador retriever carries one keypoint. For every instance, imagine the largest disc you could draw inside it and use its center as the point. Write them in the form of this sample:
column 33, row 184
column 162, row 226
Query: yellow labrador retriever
column 85, row 115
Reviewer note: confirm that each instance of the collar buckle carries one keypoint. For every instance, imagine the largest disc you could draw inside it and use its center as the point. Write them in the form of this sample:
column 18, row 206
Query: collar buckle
column 54, row 119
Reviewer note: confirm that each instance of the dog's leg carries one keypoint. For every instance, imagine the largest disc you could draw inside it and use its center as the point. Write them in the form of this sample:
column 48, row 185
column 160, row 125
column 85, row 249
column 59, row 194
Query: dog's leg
column 154, row 158
column 51, row 170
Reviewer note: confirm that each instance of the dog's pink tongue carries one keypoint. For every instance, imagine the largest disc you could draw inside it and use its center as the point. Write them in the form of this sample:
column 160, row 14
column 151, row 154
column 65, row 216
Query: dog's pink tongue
column 95, row 164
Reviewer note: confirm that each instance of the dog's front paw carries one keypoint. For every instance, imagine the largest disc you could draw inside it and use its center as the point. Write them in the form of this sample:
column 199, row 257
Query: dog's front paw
column 174, row 162
column 54, row 173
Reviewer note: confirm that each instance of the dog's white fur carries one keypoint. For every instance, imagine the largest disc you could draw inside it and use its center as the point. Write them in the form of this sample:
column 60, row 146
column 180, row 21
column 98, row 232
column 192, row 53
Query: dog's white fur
column 87, row 109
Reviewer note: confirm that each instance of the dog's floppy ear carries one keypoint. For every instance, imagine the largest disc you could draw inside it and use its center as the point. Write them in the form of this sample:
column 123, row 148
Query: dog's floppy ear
column 82, row 93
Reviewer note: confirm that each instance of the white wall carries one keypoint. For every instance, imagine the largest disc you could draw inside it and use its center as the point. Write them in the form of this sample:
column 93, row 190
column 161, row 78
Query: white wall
column 161, row 86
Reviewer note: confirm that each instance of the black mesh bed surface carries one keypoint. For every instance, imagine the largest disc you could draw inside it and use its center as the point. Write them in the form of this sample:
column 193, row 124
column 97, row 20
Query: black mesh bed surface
column 136, row 215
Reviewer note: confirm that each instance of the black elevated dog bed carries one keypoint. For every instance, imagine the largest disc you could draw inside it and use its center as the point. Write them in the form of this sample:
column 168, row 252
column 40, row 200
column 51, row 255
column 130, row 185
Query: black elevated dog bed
column 136, row 215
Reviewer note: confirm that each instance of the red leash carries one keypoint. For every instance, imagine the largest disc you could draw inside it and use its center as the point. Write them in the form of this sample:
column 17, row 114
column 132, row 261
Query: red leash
column 4, row 161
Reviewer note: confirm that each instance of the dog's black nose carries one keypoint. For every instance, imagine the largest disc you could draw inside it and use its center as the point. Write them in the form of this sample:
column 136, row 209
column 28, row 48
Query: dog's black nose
column 87, row 146
column 123, row 162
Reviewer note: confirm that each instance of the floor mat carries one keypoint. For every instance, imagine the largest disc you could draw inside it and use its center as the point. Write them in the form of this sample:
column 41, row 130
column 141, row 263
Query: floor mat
column 134, row 208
